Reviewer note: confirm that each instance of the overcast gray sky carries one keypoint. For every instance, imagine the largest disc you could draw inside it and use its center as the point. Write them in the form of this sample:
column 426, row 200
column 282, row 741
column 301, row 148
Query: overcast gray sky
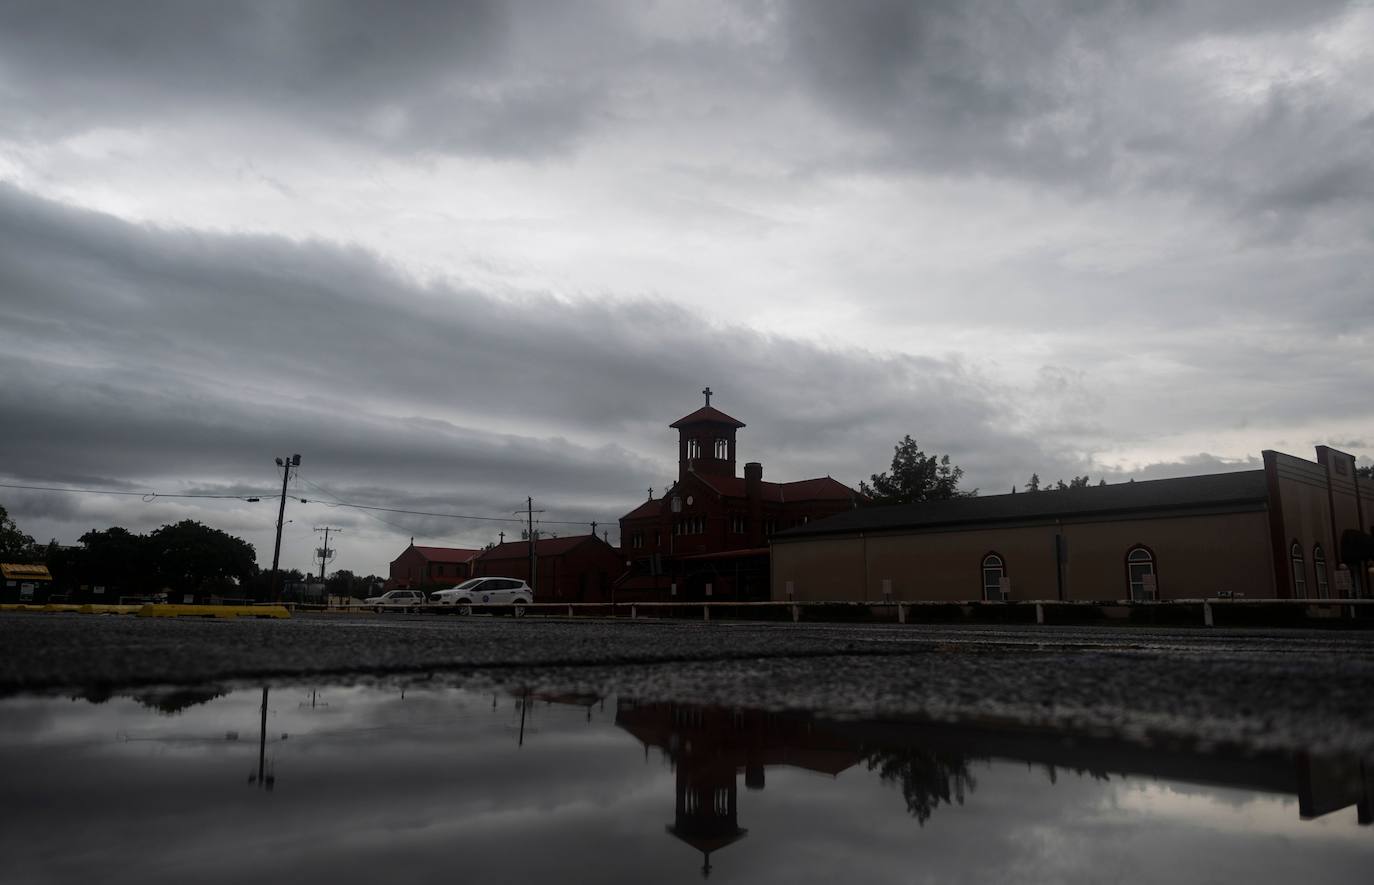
column 459, row 253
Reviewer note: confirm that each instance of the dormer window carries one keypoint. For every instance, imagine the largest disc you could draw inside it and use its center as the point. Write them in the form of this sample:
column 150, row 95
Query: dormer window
column 723, row 450
column 693, row 449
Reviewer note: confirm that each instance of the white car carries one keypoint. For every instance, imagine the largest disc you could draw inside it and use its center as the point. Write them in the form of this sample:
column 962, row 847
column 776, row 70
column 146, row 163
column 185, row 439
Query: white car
column 405, row 600
column 486, row 591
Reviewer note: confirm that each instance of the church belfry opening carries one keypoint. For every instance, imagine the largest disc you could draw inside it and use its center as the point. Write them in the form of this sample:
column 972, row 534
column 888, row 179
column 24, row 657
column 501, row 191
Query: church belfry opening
column 706, row 441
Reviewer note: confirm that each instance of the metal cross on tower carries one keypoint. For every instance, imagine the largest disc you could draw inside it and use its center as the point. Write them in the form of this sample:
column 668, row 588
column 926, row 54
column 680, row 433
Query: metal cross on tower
column 707, row 391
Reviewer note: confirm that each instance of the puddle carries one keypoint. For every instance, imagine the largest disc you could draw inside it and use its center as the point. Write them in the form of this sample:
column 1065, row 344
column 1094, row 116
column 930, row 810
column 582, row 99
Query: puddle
column 372, row 783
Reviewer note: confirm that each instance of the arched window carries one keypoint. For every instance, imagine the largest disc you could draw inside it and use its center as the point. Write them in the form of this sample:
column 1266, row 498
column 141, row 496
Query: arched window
column 993, row 573
column 722, row 450
column 1319, row 568
column 1140, row 574
column 1299, row 571
column 693, row 449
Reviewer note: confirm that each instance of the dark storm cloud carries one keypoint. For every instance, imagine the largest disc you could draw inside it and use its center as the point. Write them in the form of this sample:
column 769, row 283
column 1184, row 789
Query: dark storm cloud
column 137, row 357
column 415, row 75
column 1078, row 94
column 133, row 353
column 1084, row 96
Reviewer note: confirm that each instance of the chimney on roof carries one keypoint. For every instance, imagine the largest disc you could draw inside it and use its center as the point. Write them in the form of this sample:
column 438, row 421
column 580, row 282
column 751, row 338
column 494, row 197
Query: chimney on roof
column 753, row 495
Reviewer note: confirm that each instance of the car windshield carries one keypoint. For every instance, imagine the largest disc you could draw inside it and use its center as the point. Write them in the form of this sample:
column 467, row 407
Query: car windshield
column 468, row 585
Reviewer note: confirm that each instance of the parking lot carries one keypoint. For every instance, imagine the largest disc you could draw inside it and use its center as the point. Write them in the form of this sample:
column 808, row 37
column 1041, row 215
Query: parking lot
column 1257, row 687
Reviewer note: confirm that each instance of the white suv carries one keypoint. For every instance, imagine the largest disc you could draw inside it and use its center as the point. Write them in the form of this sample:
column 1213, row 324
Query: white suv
column 406, row 600
column 486, row 591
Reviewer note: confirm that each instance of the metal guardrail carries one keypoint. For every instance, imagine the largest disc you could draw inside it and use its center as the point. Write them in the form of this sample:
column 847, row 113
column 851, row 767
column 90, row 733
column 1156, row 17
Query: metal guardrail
column 796, row 607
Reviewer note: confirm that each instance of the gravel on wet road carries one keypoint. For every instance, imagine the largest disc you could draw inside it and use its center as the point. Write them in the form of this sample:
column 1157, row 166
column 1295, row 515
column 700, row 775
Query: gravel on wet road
column 1257, row 688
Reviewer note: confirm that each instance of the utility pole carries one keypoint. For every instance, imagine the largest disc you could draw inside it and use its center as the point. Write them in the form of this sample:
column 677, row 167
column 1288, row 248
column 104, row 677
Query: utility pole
column 286, row 465
column 529, row 534
column 534, row 563
column 325, row 552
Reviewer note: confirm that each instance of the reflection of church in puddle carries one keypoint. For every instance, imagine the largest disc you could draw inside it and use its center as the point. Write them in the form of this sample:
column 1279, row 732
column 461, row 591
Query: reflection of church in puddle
column 930, row 764
column 710, row 747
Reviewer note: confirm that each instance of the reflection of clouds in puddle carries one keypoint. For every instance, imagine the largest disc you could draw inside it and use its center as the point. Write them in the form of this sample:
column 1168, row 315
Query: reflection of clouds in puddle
column 370, row 786
column 1227, row 810
column 374, row 776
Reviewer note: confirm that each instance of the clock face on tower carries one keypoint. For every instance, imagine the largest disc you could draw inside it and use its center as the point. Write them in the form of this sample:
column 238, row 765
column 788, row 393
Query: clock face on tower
column 689, row 500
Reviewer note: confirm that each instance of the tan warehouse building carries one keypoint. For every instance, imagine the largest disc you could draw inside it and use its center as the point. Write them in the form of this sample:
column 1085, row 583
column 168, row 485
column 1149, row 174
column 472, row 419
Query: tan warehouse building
column 1293, row 529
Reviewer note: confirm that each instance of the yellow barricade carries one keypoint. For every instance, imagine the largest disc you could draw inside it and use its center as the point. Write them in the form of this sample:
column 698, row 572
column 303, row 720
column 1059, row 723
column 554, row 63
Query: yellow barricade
column 172, row 610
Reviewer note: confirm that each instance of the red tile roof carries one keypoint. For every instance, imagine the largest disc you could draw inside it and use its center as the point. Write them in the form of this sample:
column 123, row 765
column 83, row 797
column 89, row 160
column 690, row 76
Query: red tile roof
column 446, row 554
column 820, row 489
column 652, row 507
column 707, row 415
column 542, row 547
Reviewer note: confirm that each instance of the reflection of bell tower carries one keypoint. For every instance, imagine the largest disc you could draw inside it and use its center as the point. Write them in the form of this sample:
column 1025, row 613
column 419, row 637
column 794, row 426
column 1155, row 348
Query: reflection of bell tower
column 706, row 441
column 707, row 812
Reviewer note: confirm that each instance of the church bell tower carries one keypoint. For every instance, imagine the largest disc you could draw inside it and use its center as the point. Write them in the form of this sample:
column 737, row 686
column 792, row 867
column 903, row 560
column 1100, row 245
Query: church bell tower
column 706, row 441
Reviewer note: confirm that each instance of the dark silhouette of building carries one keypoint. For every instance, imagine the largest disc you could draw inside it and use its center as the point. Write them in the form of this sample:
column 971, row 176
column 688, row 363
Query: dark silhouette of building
column 932, row 765
column 430, row 568
column 710, row 747
column 578, row 568
column 711, row 527
column 1292, row 530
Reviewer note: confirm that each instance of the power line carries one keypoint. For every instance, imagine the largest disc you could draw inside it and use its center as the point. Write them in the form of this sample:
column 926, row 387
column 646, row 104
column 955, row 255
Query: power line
column 146, row 496
column 325, row 491
column 338, row 502
column 149, row 497
column 452, row 515
column 424, row 512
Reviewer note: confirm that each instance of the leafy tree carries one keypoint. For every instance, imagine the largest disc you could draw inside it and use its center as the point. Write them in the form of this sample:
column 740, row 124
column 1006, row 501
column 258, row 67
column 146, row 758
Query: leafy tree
column 340, row 583
column 15, row 546
column 115, row 557
column 1075, row 482
column 345, row 583
column 928, row 778
column 915, row 477
column 192, row 558
column 1366, row 472
column 172, row 701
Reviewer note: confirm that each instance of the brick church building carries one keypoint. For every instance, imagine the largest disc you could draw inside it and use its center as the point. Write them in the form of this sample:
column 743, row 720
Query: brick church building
column 708, row 533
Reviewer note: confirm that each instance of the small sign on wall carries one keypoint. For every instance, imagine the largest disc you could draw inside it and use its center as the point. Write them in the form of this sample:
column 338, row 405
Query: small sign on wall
column 1343, row 582
column 1004, row 586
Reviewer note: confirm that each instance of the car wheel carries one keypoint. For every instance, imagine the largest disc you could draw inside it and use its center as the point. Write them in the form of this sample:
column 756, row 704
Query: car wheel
column 378, row 609
column 518, row 610
column 464, row 608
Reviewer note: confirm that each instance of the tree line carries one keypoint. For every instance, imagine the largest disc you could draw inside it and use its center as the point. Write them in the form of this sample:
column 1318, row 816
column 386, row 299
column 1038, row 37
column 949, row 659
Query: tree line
column 184, row 559
column 915, row 477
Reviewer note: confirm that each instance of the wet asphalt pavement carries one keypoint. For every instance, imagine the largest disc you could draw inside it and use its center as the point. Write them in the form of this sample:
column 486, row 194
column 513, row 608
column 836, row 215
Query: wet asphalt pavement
column 1261, row 689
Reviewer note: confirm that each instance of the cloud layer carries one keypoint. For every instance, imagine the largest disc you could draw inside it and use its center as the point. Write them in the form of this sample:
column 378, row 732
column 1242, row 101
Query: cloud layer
column 457, row 254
